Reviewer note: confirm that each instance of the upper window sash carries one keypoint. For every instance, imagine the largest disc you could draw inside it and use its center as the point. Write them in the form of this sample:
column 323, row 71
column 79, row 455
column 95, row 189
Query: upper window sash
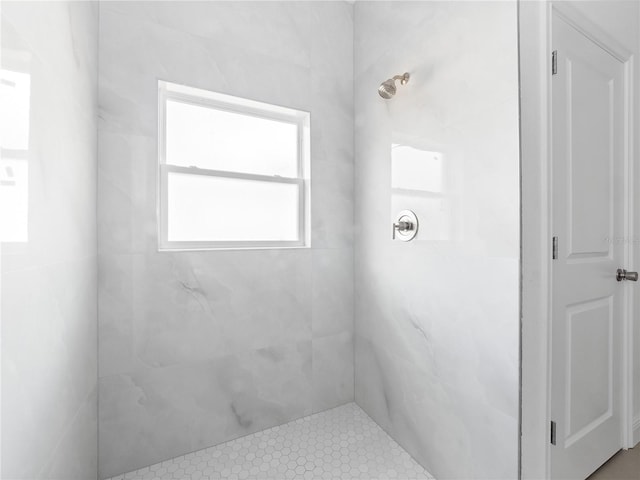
column 285, row 115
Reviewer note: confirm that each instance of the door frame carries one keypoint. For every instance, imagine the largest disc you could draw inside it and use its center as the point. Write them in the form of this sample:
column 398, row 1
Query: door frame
column 535, row 20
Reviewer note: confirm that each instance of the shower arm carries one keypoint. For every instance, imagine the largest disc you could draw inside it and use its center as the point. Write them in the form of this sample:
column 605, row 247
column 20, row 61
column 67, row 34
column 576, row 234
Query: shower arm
column 404, row 79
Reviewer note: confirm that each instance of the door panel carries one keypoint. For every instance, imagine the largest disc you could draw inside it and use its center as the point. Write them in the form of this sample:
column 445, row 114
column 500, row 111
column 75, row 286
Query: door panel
column 588, row 391
column 587, row 198
column 591, row 164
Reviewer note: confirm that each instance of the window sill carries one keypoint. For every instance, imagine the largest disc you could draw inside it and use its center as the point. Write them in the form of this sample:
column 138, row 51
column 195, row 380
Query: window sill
column 230, row 248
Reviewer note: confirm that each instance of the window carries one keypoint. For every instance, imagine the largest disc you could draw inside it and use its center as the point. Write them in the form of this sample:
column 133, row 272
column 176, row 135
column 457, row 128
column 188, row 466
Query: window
column 15, row 94
column 234, row 173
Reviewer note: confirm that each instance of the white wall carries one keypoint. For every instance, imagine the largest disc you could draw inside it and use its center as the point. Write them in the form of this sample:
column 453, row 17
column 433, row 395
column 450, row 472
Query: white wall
column 197, row 348
column 49, row 318
column 437, row 319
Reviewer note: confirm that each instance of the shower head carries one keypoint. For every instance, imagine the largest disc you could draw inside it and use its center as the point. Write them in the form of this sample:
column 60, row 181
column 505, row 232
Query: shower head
column 387, row 89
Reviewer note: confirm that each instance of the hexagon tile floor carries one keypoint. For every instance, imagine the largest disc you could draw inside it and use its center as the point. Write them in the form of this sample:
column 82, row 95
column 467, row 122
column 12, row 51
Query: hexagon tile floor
column 339, row 444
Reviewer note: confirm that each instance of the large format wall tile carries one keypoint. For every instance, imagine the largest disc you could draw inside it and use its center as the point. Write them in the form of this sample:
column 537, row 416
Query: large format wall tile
column 279, row 32
column 159, row 413
column 193, row 315
column 333, row 379
column 332, row 272
column 75, row 456
column 163, row 309
column 437, row 319
column 49, row 278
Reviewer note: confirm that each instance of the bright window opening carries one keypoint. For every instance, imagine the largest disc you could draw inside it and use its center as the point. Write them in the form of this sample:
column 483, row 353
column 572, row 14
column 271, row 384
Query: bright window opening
column 15, row 95
column 233, row 172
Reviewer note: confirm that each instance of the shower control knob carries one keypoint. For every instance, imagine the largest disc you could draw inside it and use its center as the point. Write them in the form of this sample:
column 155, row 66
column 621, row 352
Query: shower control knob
column 405, row 227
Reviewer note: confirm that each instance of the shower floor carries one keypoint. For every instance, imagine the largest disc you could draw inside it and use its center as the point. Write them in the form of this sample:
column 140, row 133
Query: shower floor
column 338, row 444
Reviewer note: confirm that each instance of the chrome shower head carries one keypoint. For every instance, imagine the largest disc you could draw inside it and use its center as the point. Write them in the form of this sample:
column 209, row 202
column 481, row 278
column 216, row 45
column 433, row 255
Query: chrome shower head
column 387, row 89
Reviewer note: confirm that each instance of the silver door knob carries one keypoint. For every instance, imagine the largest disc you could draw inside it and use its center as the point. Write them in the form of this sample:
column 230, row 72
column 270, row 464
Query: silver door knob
column 622, row 274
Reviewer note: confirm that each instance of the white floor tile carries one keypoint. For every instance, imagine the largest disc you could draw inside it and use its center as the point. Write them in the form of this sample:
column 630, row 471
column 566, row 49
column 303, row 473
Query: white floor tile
column 339, row 444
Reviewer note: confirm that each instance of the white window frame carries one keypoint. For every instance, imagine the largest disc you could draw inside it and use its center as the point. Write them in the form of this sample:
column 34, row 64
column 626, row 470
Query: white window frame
column 204, row 98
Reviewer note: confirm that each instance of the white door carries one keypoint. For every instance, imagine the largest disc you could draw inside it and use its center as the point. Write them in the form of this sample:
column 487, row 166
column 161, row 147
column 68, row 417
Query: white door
column 588, row 123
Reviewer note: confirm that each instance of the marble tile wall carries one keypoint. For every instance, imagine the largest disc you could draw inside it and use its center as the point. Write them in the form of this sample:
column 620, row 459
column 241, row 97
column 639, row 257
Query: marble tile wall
column 437, row 319
column 49, row 276
column 197, row 348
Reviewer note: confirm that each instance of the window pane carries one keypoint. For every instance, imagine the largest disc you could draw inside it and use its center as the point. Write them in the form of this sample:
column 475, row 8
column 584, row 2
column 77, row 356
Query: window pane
column 208, row 208
column 14, row 200
column 220, row 140
column 15, row 93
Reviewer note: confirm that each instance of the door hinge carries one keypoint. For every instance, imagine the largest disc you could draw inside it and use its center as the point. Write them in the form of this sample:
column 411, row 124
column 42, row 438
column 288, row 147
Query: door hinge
column 554, row 249
column 553, row 432
column 554, row 62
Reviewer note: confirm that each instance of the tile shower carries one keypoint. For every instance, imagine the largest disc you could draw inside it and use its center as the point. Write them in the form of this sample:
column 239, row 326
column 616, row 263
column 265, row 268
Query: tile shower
column 376, row 355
